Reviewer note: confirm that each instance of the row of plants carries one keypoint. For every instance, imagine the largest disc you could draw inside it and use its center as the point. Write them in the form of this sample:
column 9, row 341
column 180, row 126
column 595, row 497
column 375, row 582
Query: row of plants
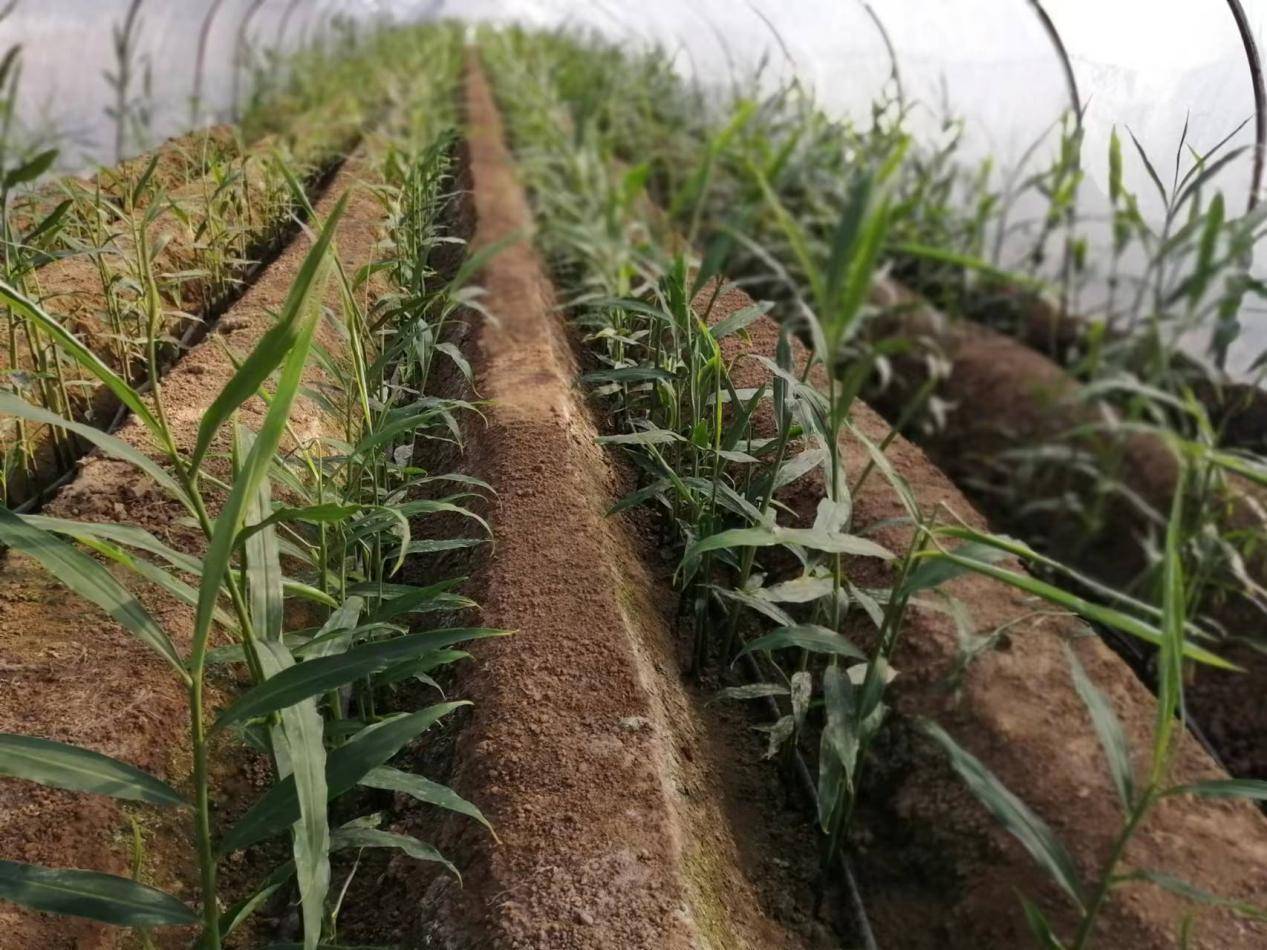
column 1162, row 316
column 730, row 454
column 293, row 527
column 192, row 243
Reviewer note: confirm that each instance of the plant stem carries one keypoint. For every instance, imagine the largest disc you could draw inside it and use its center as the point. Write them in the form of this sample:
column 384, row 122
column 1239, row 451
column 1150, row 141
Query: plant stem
column 1081, row 940
column 202, row 818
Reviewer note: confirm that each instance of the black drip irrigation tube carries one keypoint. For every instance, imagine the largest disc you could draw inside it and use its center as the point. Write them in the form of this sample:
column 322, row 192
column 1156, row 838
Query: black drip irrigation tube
column 195, row 333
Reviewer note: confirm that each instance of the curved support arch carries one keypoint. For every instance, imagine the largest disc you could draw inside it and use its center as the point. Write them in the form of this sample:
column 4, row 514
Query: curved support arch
column 1071, row 80
column 284, row 23
column 200, row 60
column 240, row 50
column 1260, row 97
column 774, row 31
column 894, row 73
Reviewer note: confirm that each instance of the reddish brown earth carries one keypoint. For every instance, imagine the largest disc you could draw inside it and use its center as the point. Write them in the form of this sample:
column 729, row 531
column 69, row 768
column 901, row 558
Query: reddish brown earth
column 1237, row 409
column 597, row 768
column 68, row 673
column 252, row 218
column 951, row 875
column 1003, row 396
column 177, row 161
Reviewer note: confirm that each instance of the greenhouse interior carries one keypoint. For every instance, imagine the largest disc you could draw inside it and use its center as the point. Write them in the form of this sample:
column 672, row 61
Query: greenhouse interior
column 541, row 474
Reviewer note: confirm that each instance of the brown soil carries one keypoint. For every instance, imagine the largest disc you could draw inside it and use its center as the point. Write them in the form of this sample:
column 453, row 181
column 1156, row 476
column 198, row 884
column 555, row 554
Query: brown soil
column 944, row 873
column 252, row 216
column 68, row 673
column 598, row 769
column 179, row 160
column 1237, row 409
column 1005, row 396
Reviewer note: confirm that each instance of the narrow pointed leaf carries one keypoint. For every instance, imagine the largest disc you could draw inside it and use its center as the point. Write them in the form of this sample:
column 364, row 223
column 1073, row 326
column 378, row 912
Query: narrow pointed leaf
column 345, row 767
column 301, row 731
column 104, row 897
column 424, row 790
column 81, row 770
column 112, row 446
column 318, row 676
column 80, row 353
column 1032, row 832
column 1109, row 730
column 257, row 464
column 274, row 345
column 807, row 636
column 364, row 837
column 89, row 580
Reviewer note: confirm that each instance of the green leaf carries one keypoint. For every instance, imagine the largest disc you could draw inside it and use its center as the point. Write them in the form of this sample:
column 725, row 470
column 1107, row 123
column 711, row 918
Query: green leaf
column 749, row 691
column 424, row 790
column 344, row 620
column 1115, row 167
column 89, row 580
column 256, row 466
column 50, row 225
column 263, row 558
column 236, row 915
column 1032, row 832
column 807, row 636
column 1039, row 926
column 113, row 446
column 1248, row 788
column 128, row 535
column 362, row 836
column 103, row 897
column 1174, row 885
column 641, row 437
column 1109, row 730
column 30, row 170
column 838, row 745
column 628, row 374
column 941, row 255
column 81, row 354
column 453, row 353
column 1148, row 167
column 420, row 599
column 345, row 767
column 1096, row 613
column 932, row 572
column 739, row 319
column 81, row 770
column 326, row 513
column 317, row 676
column 818, row 539
column 281, row 339
column 304, row 763
column 1174, row 614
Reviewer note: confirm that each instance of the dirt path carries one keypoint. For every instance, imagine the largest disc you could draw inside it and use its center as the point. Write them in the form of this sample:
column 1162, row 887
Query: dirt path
column 583, row 748
column 68, row 673
column 940, row 872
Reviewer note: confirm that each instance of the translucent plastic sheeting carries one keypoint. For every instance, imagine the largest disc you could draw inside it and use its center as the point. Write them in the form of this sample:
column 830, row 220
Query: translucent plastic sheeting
column 1143, row 67
column 68, row 48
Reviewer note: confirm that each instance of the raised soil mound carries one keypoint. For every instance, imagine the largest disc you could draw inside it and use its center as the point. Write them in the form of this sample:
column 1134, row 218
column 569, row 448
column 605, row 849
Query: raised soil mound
column 69, row 673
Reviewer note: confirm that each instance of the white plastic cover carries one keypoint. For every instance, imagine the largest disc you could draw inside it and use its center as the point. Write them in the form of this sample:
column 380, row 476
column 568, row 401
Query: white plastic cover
column 1147, row 66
